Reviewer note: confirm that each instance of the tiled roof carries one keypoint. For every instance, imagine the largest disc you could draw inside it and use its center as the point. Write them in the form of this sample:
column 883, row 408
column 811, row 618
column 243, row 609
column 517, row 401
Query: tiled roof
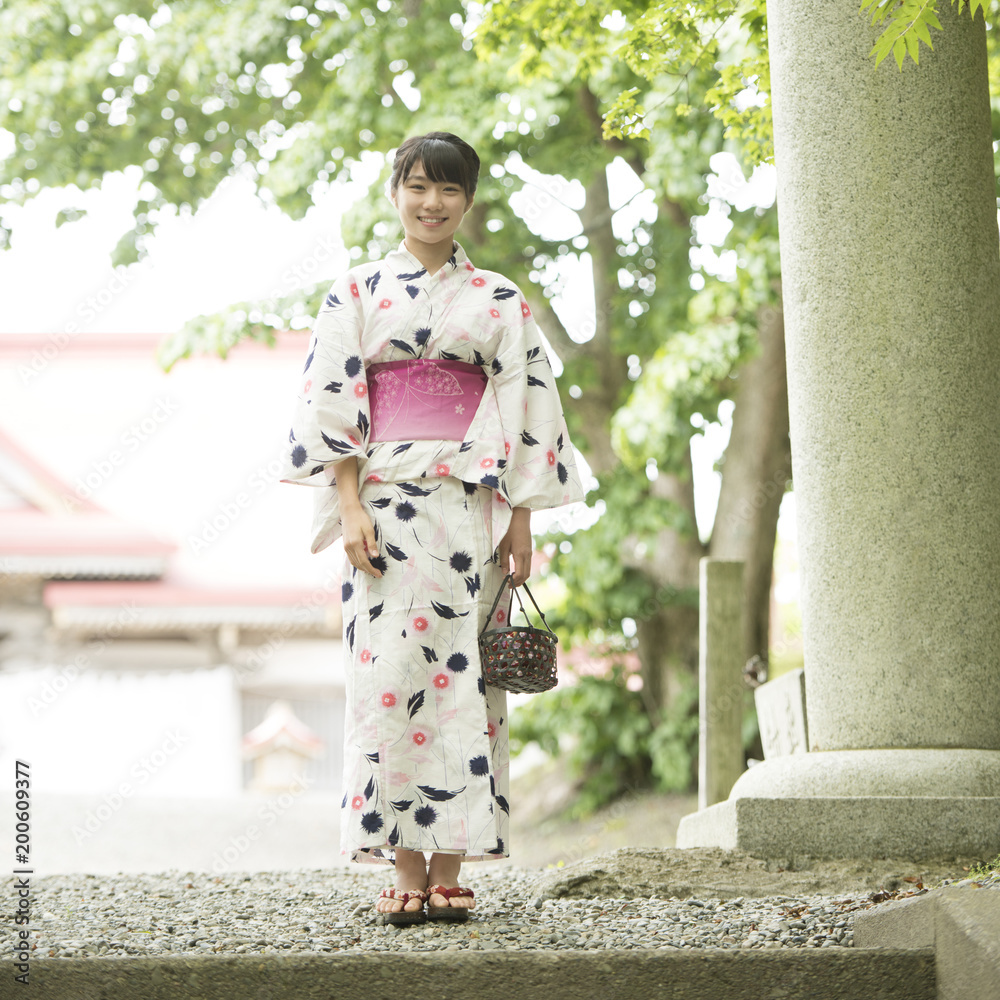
column 138, row 606
column 47, row 531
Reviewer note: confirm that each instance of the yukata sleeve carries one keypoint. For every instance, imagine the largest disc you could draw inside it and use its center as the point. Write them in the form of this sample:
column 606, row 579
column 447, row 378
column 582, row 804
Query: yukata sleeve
column 331, row 418
column 539, row 469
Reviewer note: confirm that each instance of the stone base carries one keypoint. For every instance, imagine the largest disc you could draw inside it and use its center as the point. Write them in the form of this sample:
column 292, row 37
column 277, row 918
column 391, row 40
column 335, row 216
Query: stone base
column 905, row 803
column 843, row 826
column 961, row 924
column 907, row 773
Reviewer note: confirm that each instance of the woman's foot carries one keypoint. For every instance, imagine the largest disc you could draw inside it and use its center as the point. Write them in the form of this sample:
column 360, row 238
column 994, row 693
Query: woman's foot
column 458, row 902
column 404, row 904
column 396, row 906
column 446, row 900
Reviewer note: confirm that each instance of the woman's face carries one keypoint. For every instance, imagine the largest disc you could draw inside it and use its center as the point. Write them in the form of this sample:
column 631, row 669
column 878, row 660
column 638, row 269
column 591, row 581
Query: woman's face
column 430, row 211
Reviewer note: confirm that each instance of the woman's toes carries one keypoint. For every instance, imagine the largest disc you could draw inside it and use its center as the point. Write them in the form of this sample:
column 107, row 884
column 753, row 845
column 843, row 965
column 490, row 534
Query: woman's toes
column 458, row 902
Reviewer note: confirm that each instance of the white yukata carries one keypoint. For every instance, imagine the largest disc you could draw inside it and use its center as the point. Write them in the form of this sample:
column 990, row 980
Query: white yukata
column 426, row 755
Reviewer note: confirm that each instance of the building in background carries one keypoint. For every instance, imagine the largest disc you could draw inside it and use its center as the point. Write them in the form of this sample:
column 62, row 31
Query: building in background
column 157, row 595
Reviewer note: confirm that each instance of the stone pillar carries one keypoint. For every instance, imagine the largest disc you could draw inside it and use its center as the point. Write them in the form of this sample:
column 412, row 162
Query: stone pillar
column 722, row 690
column 891, row 285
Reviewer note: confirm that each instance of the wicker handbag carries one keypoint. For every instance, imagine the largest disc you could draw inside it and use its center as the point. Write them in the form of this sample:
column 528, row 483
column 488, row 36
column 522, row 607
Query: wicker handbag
column 519, row 658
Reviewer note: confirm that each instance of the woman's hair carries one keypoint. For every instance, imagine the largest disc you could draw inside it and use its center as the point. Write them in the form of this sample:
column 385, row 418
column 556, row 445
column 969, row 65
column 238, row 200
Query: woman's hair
column 446, row 159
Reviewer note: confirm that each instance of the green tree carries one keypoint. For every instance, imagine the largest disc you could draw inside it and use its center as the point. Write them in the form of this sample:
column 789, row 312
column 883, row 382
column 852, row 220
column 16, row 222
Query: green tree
column 702, row 75
column 192, row 92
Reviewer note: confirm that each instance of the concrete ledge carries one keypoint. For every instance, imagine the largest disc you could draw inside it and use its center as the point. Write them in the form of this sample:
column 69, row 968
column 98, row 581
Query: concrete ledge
column 849, row 827
column 793, row 974
column 961, row 924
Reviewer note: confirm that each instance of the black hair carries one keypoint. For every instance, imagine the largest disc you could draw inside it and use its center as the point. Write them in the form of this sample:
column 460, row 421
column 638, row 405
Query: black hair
column 446, row 159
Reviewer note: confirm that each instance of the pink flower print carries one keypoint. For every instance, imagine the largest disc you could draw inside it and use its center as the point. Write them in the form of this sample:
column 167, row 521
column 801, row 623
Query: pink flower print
column 361, row 390
column 442, row 469
column 491, row 730
column 354, row 289
column 385, row 304
column 469, row 266
column 495, row 313
column 479, row 282
column 420, row 624
column 441, row 681
column 525, row 311
column 354, row 440
column 366, row 656
column 357, row 802
column 373, row 478
column 307, row 386
column 420, row 738
column 501, row 615
column 387, row 699
column 501, row 498
column 551, row 456
column 487, row 463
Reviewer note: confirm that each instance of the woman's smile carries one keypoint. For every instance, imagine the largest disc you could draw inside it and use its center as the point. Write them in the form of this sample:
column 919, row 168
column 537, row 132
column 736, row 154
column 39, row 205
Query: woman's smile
column 431, row 212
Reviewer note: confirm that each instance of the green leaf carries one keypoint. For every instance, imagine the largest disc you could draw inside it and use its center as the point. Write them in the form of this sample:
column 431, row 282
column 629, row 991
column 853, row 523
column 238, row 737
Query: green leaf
column 899, row 52
column 880, row 50
column 880, row 9
column 907, row 28
column 923, row 34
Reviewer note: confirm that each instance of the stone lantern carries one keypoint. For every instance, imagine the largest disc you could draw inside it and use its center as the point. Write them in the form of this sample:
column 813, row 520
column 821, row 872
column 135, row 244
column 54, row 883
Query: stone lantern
column 280, row 747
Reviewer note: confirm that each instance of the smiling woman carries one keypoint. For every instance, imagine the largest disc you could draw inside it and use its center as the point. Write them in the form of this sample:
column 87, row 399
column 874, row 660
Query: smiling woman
column 431, row 522
column 433, row 186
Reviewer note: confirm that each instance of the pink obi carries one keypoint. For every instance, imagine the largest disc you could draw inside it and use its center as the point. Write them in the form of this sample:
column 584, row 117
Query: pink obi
column 423, row 400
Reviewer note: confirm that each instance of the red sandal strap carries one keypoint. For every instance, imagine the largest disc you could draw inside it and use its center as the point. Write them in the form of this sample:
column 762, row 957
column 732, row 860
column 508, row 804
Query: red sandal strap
column 440, row 890
column 404, row 896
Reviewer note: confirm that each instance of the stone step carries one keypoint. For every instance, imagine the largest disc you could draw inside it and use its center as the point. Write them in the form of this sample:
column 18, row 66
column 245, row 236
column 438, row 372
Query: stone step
column 707, row 974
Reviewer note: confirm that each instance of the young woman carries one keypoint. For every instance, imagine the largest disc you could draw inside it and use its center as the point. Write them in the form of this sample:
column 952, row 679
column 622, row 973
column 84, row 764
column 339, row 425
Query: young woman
column 430, row 416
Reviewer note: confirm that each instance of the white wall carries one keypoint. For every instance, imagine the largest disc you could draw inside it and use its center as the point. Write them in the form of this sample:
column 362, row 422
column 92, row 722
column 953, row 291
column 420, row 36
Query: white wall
column 165, row 733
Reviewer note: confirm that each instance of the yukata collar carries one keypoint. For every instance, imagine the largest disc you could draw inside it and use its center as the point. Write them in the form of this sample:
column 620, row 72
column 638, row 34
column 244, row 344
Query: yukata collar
column 457, row 260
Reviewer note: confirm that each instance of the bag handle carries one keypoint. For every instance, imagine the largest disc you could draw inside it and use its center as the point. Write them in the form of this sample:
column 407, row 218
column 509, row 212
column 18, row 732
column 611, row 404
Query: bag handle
column 496, row 601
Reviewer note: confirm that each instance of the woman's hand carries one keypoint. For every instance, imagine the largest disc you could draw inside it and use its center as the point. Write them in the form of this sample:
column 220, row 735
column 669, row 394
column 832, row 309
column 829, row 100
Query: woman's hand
column 356, row 526
column 516, row 544
column 359, row 538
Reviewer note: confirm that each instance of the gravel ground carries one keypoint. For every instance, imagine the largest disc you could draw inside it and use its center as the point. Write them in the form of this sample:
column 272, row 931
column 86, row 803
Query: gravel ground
column 327, row 911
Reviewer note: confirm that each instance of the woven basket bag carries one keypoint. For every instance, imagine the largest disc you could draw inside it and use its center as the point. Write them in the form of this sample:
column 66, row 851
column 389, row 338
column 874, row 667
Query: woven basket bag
column 519, row 658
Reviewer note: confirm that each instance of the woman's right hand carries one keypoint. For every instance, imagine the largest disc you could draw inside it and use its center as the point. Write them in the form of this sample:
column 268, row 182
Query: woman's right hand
column 359, row 538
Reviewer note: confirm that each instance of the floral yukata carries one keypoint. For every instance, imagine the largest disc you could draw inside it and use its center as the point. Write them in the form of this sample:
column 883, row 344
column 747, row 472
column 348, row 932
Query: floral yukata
column 426, row 756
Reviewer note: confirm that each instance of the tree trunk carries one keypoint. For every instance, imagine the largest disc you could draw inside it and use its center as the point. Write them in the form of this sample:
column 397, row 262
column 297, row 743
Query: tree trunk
column 667, row 631
column 755, row 469
column 668, row 654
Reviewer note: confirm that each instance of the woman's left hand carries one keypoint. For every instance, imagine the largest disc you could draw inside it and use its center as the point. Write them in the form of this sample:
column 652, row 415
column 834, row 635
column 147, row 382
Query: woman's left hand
column 516, row 544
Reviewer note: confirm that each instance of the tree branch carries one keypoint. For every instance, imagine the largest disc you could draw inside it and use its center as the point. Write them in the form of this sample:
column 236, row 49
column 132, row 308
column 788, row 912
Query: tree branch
column 628, row 152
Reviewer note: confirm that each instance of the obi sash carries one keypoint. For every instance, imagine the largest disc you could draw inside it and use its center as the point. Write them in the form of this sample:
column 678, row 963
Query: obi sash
column 424, row 399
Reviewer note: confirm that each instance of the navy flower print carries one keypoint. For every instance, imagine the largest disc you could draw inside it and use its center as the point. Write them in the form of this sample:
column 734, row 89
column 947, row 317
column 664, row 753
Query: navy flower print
column 425, row 815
